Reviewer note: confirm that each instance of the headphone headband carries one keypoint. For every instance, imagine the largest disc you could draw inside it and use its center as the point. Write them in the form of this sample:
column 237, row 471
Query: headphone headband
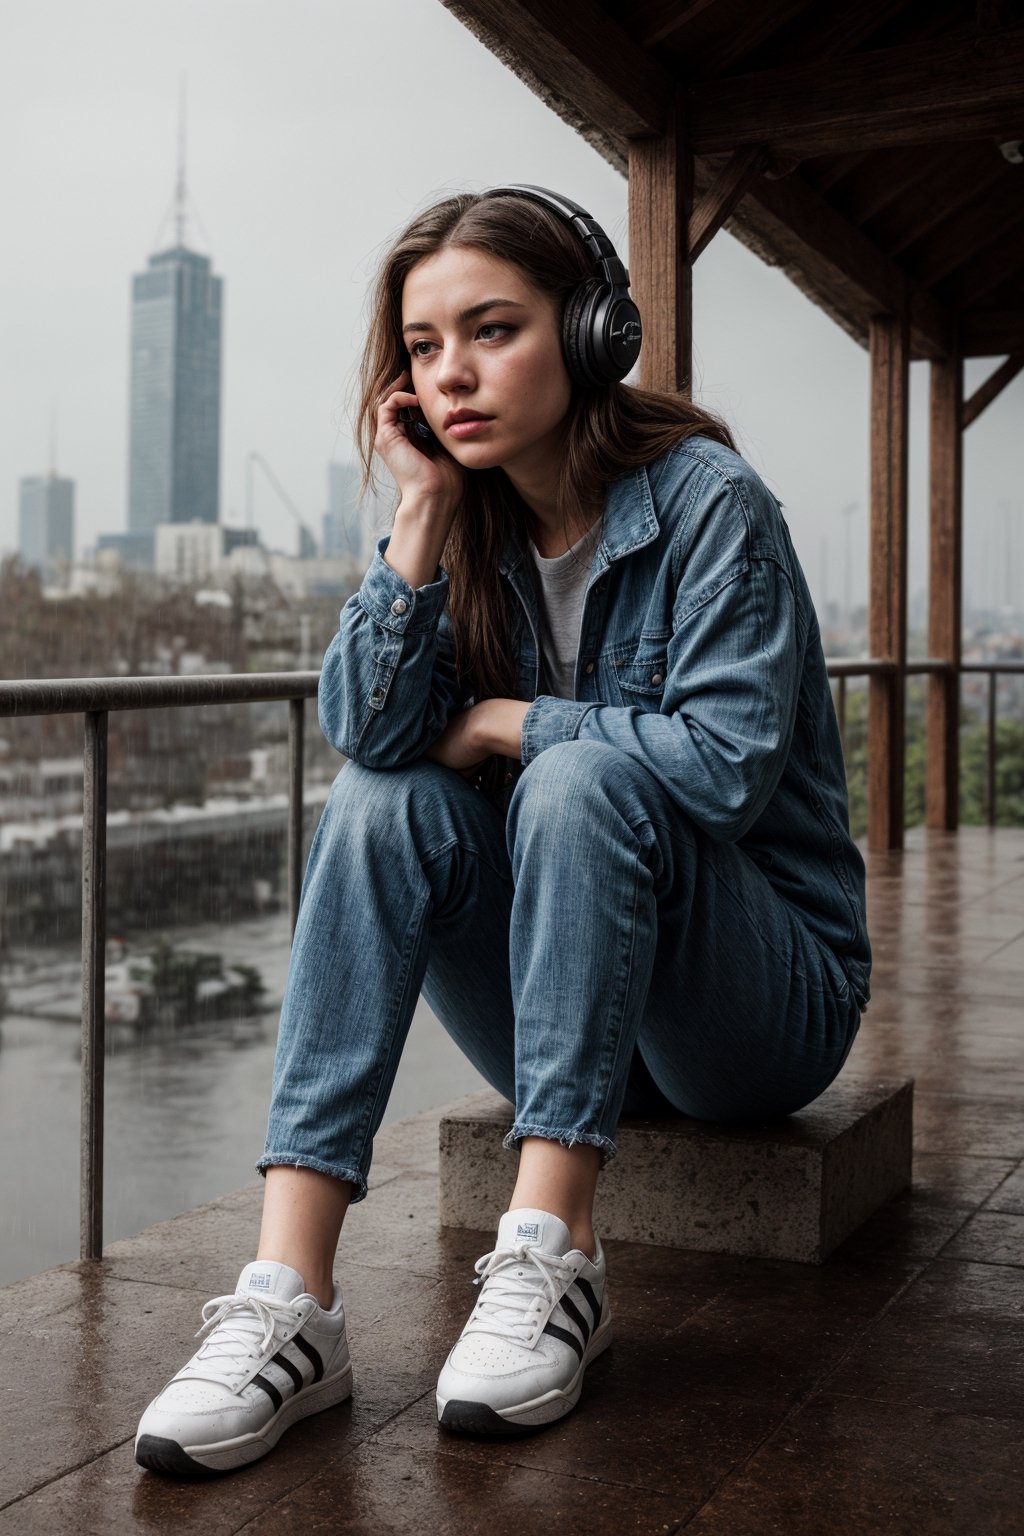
column 601, row 328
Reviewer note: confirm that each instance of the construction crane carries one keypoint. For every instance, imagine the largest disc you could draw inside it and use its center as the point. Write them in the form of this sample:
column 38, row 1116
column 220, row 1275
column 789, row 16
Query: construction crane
column 307, row 543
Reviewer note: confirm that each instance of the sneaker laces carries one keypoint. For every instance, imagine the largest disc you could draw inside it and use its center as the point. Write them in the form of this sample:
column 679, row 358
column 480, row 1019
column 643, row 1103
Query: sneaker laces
column 508, row 1298
column 232, row 1324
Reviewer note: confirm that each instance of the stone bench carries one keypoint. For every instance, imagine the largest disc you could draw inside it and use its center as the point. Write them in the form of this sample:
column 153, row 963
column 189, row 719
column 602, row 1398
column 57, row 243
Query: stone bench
column 791, row 1188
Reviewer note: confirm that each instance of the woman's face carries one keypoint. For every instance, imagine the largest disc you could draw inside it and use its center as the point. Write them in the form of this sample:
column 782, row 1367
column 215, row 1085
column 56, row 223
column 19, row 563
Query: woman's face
column 487, row 361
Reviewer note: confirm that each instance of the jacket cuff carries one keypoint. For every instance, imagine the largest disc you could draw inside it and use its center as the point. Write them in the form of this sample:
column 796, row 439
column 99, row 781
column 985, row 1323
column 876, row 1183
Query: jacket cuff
column 550, row 720
column 390, row 601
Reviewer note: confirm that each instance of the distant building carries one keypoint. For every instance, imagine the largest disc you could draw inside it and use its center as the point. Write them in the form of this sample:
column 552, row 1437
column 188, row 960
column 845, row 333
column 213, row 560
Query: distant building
column 134, row 550
column 193, row 552
column 189, row 552
column 174, row 409
column 346, row 524
column 46, row 523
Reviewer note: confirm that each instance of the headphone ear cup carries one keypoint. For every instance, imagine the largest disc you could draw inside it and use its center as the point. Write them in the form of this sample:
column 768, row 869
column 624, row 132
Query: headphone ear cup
column 577, row 337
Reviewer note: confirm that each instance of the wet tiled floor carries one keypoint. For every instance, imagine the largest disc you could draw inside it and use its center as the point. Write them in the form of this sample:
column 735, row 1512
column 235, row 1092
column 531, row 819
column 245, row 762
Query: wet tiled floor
column 881, row 1391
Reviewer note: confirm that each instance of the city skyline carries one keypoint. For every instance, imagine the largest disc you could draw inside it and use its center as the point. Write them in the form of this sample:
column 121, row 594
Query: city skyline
column 301, row 183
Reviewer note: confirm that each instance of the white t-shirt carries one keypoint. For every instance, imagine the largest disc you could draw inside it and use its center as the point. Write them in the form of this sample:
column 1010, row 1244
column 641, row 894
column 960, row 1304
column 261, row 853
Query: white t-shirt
column 561, row 587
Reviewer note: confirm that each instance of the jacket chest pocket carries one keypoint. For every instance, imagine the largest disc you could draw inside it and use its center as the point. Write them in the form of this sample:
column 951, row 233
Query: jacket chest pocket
column 640, row 676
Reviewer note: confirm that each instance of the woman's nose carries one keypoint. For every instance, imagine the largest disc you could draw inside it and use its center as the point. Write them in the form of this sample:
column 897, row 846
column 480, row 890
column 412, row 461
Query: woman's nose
column 454, row 371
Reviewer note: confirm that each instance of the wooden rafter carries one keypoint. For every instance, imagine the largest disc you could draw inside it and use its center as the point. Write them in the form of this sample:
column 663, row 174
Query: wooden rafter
column 989, row 272
column 726, row 190
column 993, row 386
column 962, row 237
column 930, row 202
column 579, row 55
column 992, row 332
column 914, row 94
column 838, row 257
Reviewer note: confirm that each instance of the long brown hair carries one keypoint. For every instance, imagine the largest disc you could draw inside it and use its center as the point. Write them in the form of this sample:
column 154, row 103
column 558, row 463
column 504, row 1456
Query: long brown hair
column 609, row 430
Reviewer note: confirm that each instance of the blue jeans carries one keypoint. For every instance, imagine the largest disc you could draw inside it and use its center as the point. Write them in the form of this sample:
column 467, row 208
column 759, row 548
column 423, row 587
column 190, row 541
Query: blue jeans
column 592, row 953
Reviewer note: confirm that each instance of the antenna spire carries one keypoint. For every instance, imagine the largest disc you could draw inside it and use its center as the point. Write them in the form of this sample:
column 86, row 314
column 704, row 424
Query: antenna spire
column 180, row 193
column 53, row 439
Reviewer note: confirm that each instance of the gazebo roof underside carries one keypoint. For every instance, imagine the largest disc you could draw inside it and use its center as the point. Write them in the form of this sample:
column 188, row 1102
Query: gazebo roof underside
column 874, row 141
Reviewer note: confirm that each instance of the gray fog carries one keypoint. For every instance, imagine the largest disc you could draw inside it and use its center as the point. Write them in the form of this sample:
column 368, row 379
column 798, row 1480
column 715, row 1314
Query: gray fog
column 314, row 128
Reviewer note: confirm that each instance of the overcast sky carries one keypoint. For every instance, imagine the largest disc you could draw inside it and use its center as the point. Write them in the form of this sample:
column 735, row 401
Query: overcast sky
column 314, row 128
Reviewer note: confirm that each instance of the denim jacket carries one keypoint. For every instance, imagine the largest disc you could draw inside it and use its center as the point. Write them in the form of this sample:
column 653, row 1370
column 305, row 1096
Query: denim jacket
column 700, row 656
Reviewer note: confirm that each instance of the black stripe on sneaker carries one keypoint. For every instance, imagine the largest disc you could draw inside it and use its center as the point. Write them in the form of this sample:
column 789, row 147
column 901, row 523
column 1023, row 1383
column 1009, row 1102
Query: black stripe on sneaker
column 270, row 1390
column 586, row 1290
column 565, row 1336
column 311, row 1354
column 289, row 1369
column 576, row 1316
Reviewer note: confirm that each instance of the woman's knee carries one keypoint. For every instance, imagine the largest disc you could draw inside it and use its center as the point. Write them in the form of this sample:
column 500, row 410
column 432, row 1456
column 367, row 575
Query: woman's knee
column 579, row 783
column 369, row 804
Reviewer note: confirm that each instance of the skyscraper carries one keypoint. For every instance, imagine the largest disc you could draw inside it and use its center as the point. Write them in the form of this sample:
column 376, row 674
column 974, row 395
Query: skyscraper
column 174, row 455
column 343, row 527
column 46, row 522
column 174, row 425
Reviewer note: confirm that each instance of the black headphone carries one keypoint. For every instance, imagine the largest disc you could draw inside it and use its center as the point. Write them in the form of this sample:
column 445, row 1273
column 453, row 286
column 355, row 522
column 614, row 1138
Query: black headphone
column 601, row 328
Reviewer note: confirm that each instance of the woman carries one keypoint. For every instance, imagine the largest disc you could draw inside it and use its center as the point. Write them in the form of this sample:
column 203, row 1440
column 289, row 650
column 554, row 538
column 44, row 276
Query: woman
column 595, row 810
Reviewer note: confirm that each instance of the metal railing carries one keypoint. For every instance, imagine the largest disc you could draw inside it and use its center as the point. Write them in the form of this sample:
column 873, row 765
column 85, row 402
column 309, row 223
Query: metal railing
column 846, row 667
column 97, row 698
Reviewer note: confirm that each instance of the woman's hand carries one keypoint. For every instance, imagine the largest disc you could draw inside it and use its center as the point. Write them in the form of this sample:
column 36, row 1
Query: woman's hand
column 470, row 737
column 459, row 745
column 424, row 477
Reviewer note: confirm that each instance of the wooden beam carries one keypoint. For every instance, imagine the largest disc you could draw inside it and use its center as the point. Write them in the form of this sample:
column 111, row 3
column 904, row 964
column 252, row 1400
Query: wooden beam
column 987, row 392
column 963, row 236
column 838, row 258
column 991, row 332
column 654, row 20
column 936, row 193
column 575, row 53
column 945, row 591
column 725, row 191
column 661, row 277
column 917, row 93
column 887, row 598
column 1000, row 264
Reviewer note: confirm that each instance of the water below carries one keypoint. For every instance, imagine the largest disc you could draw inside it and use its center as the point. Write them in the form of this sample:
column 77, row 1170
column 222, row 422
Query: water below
column 185, row 1108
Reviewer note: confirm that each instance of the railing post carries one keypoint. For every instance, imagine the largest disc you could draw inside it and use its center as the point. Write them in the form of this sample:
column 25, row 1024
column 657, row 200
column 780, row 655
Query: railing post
column 990, row 766
column 841, row 712
column 94, row 936
column 296, row 744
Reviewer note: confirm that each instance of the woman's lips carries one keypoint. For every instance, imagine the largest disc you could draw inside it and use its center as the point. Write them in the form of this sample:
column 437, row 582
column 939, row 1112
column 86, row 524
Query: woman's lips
column 470, row 427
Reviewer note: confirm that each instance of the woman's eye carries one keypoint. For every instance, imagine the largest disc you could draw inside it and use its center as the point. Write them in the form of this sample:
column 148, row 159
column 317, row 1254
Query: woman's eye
column 421, row 348
column 495, row 330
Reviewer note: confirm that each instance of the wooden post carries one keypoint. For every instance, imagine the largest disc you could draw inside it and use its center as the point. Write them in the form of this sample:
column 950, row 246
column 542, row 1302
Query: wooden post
column 887, row 618
column 660, row 200
column 945, row 587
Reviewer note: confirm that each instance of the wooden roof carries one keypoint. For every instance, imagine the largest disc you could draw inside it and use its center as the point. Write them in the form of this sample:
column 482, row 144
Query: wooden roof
column 870, row 146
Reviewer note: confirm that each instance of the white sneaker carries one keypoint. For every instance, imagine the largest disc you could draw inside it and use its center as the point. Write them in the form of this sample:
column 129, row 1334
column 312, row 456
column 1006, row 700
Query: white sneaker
column 271, row 1356
column 541, row 1318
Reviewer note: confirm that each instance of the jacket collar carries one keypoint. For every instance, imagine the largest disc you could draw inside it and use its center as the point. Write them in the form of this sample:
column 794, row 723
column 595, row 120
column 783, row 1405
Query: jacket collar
column 629, row 522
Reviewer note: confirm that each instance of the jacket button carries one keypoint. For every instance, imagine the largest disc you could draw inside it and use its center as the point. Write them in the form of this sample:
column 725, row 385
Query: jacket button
column 657, row 678
column 399, row 605
column 378, row 693
column 589, row 668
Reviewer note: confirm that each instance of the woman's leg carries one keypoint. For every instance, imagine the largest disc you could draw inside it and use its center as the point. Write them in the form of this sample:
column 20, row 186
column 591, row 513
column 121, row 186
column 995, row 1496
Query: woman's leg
column 402, row 860
column 632, row 932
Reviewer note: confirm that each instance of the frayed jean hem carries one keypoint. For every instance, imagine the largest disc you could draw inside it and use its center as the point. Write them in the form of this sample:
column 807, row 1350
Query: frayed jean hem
column 336, row 1171
column 519, row 1133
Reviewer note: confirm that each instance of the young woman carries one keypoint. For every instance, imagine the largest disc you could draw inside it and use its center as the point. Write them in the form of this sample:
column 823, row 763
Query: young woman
column 595, row 810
